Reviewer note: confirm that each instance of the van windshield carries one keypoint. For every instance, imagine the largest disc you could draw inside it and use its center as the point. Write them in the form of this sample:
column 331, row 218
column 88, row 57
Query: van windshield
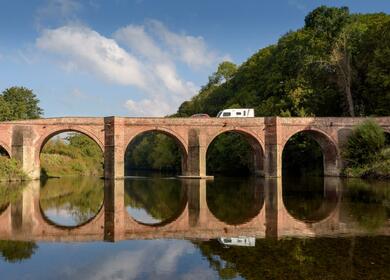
column 219, row 113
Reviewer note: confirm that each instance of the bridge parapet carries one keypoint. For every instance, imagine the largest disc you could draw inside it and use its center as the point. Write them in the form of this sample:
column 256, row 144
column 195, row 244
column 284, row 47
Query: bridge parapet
column 24, row 140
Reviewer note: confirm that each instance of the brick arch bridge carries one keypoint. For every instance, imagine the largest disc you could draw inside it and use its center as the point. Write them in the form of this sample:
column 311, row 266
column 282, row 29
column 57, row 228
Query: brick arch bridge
column 24, row 140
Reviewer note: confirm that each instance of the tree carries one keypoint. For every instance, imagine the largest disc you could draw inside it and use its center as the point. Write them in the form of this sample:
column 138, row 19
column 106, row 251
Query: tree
column 22, row 104
column 5, row 110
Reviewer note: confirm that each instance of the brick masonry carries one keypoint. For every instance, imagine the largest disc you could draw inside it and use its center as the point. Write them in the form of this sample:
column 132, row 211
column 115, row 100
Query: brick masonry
column 24, row 140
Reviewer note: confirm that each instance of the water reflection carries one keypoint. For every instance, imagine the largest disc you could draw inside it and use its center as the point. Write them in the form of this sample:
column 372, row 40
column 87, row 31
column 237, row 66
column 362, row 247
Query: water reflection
column 354, row 213
column 320, row 258
column 369, row 206
column 154, row 200
column 235, row 201
column 310, row 199
column 71, row 201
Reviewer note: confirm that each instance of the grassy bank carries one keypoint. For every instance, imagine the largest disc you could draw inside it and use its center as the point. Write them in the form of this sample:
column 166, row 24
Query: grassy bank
column 10, row 170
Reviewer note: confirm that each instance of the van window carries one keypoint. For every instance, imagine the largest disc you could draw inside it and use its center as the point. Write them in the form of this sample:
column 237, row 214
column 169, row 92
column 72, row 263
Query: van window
column 226, row 114
column 238, row 113
column 244, row 113
column 219, row 113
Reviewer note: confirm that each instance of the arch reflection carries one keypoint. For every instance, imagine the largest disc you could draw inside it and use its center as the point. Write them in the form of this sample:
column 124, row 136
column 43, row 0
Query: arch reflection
column 71, row 202
column 154, row 201
column 235, row 201
column 310, row 199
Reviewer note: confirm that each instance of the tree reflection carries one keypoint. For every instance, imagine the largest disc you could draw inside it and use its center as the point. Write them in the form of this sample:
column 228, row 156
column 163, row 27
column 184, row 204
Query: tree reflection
column 10, row 192
column 235, row 201
column 368, row 204
column 16, row 251
column 79, row 199
column 320, row 258
column 161, row 199
column 309, row 199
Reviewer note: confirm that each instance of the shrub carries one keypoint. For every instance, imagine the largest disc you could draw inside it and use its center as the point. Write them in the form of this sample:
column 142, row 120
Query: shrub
column 10, row 170
column 364, row 144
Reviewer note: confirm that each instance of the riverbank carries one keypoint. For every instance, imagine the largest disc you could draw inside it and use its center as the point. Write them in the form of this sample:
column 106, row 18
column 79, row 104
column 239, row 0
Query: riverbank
column 10, row 170
column 380, row 169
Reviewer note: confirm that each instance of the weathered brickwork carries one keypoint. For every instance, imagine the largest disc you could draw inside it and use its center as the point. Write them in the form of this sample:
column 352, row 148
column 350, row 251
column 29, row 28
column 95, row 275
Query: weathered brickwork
column 24, row 140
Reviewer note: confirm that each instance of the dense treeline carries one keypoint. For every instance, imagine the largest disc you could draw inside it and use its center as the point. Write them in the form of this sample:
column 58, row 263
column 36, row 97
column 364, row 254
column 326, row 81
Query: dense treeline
column 337, row 58
column 337, row 64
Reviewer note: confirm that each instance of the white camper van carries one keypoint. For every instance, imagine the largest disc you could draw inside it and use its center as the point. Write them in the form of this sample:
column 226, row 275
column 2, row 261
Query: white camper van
column 236, row 113
column 243, row 241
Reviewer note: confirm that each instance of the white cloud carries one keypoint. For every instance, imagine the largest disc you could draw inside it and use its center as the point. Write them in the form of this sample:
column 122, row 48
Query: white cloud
column 191, row 50
column 89, row 51
column 136, row 38
column 155, row 260
column 148, row 107
column 143, row 56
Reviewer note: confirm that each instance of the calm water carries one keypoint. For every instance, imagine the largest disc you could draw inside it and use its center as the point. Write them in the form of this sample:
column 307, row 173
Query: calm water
column 166, row 228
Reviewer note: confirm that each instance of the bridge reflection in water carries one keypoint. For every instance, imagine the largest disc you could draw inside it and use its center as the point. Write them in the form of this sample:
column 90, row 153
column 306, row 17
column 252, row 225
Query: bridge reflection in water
column 257, row 209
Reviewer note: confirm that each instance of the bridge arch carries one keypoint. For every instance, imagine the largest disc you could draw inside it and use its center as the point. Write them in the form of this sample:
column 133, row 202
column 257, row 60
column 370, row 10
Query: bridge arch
column 252, row 139
column 182, row 144
column 329, row 148
column 4, row 149
column 49, row 134
column 39, row 145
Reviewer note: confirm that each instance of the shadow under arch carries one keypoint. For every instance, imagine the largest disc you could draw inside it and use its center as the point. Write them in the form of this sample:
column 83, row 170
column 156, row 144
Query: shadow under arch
column 140, row 191
column 5, row 151
column 4, row 207
column 171, row 134
column 329, row 149
column 235, row 201
column 311, row 200
column 257, row 161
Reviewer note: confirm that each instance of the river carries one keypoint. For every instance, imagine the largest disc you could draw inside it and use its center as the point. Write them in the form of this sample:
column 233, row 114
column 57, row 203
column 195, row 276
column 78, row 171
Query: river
column 161, row 227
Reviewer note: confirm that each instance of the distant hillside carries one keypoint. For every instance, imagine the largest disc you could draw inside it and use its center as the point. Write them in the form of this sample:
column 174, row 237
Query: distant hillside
column 338, row 64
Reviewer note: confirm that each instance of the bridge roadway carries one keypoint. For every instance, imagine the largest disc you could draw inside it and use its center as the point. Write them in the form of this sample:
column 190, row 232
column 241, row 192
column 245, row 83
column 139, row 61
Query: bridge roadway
column 24, row 140
column 25, row 220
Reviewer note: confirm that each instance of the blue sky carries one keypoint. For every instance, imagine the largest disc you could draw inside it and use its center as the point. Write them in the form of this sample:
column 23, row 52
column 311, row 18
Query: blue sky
column 138, row 57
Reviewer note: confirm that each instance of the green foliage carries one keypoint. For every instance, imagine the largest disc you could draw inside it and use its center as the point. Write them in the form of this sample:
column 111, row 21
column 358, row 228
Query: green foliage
column 153, row 151
column 298, row 151
column 10, row 170
column 364, row 144
column 76, row 154
column 17, row 103
column 229, row 154
column 299, row 75
column 16, row 251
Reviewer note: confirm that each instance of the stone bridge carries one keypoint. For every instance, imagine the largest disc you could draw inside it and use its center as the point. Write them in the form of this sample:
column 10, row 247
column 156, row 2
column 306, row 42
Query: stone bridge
column 24, row 140
column 24, row 219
